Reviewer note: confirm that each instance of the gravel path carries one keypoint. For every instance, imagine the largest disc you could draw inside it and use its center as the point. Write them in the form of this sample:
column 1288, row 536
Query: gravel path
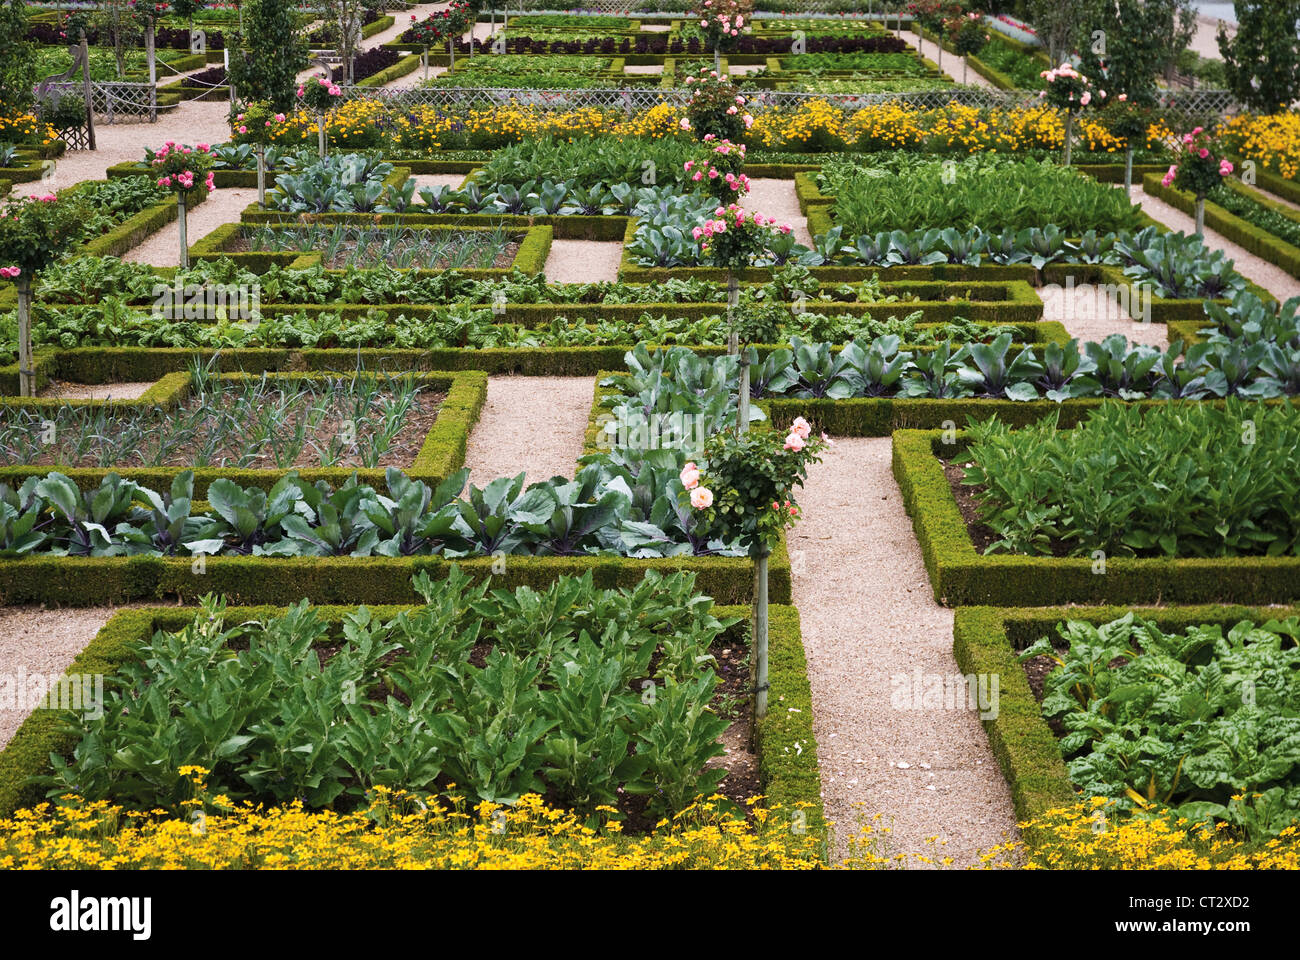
column 533, row 424
column 163, row 248
column 1088, row 316
column 35, row 641
column 196, row 122
column 951, row 64
column 776, row 198
column 868, row 617
column 1272, row 278
column 583, row 261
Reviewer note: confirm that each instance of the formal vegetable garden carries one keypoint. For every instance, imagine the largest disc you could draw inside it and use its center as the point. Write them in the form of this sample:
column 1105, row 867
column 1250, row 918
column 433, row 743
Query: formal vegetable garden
column 286, row 405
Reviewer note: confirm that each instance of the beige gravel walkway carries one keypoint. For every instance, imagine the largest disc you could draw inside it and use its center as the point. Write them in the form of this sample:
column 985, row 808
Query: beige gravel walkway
column 951, row 64
column 583, row 261
column 776, row 198
column 869, row 617
column 533, row 424
column 197, row 122
column 1090, row 316
column 222, row 206
column 43, row 642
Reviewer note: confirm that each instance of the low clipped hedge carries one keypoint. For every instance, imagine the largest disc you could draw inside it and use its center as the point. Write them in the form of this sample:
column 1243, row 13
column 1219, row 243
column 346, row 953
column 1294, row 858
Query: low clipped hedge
column 441, row 454
column 100, row 581
column 1256, row 240
column 132, row 231
column 784, row 738
column 959, row 575
column 988, row 640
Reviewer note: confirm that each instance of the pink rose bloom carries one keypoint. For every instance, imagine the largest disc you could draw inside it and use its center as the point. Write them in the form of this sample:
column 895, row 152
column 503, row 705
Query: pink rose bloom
column 720, row 226
column 785, row 228
column 749, row 121
column 685, row 124
column 794, row 442
column 827, row 440
column 279, row 118
column 709, row 136
column 1225, row 168
column 740, row 20
column 243, row 129
column 732, row 111
column 697, row 176
column 1203, row 153
column 1197, row 130
column 696, row 233
column 690, row 476
column 1085, row 99
column 209, row 182
column 704, row 23
column 713, row 173
column 203, row 147
column 1123, row 97
column 688, row 164
column 801, row 427
column 1187, row 138
column 300, row 91
column 701, row 498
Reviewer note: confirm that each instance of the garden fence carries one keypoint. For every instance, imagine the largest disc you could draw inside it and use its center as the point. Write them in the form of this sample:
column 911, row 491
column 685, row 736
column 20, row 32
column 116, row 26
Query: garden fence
column 115, row 101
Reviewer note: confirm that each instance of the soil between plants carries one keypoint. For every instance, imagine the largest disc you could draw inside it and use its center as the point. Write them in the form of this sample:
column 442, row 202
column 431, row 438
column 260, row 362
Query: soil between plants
column 401, row 451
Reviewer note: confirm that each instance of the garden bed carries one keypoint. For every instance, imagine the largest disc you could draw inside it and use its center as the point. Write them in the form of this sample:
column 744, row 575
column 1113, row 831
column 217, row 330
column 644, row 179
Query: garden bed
column 960, row 574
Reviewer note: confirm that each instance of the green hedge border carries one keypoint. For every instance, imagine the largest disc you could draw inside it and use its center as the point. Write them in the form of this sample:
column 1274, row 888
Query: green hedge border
column 441, row 453
column 959, row 575
column 788, row 774
column 988, row 640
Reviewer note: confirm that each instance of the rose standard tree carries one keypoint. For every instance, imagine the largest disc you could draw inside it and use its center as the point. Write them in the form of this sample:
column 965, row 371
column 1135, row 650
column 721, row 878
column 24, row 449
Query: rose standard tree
column 733, row 238
column 1069, row 90
column 742, row 490
column 34, row 234
column 722, row 22
column 256, row 126
column 320, row 95
column 1199, row 167
column 445, row 25
column 180, row 168
column 1129, row 120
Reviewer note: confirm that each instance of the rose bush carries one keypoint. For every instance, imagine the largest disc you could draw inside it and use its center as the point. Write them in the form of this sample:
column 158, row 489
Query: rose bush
column 716, row 108
column 716, row 170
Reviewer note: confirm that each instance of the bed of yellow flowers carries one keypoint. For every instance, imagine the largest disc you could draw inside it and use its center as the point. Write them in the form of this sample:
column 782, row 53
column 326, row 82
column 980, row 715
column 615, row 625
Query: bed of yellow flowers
column 398, row 830
column 816, row 126
column 25, row 128
column 1271, row 140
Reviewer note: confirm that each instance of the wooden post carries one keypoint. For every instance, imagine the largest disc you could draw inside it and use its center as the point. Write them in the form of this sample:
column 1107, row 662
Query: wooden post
column 26, row 375
column 760, row 635
column 321, row 143
column 261, row 175
column 87, row 90
column 1128, row 168
column 149, row 53
column 180, row 226
column 1069, row 135
column 1200, row 215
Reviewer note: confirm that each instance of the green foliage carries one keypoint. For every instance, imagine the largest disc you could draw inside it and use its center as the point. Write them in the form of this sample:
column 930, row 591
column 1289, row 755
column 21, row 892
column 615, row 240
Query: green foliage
column 18, row 73
column 991, row 195
column 267, row 58
column 1177, row 480
column 1143, row 39
column 502, row 692
column 1261, row 59
column 1202, row 722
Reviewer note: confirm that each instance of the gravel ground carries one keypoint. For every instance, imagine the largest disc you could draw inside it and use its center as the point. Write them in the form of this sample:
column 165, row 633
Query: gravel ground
column 1205, row 41
column 951, row 64
column 776, row 198
column 95, row 391
column 122, row 142
column 646, row 68
column 38, row 641
column 222, row 206
column 868, row 616
column 1269, row 276
column 583, row 261
column 1091, row 317
column 530, row 424
column 452, row 180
